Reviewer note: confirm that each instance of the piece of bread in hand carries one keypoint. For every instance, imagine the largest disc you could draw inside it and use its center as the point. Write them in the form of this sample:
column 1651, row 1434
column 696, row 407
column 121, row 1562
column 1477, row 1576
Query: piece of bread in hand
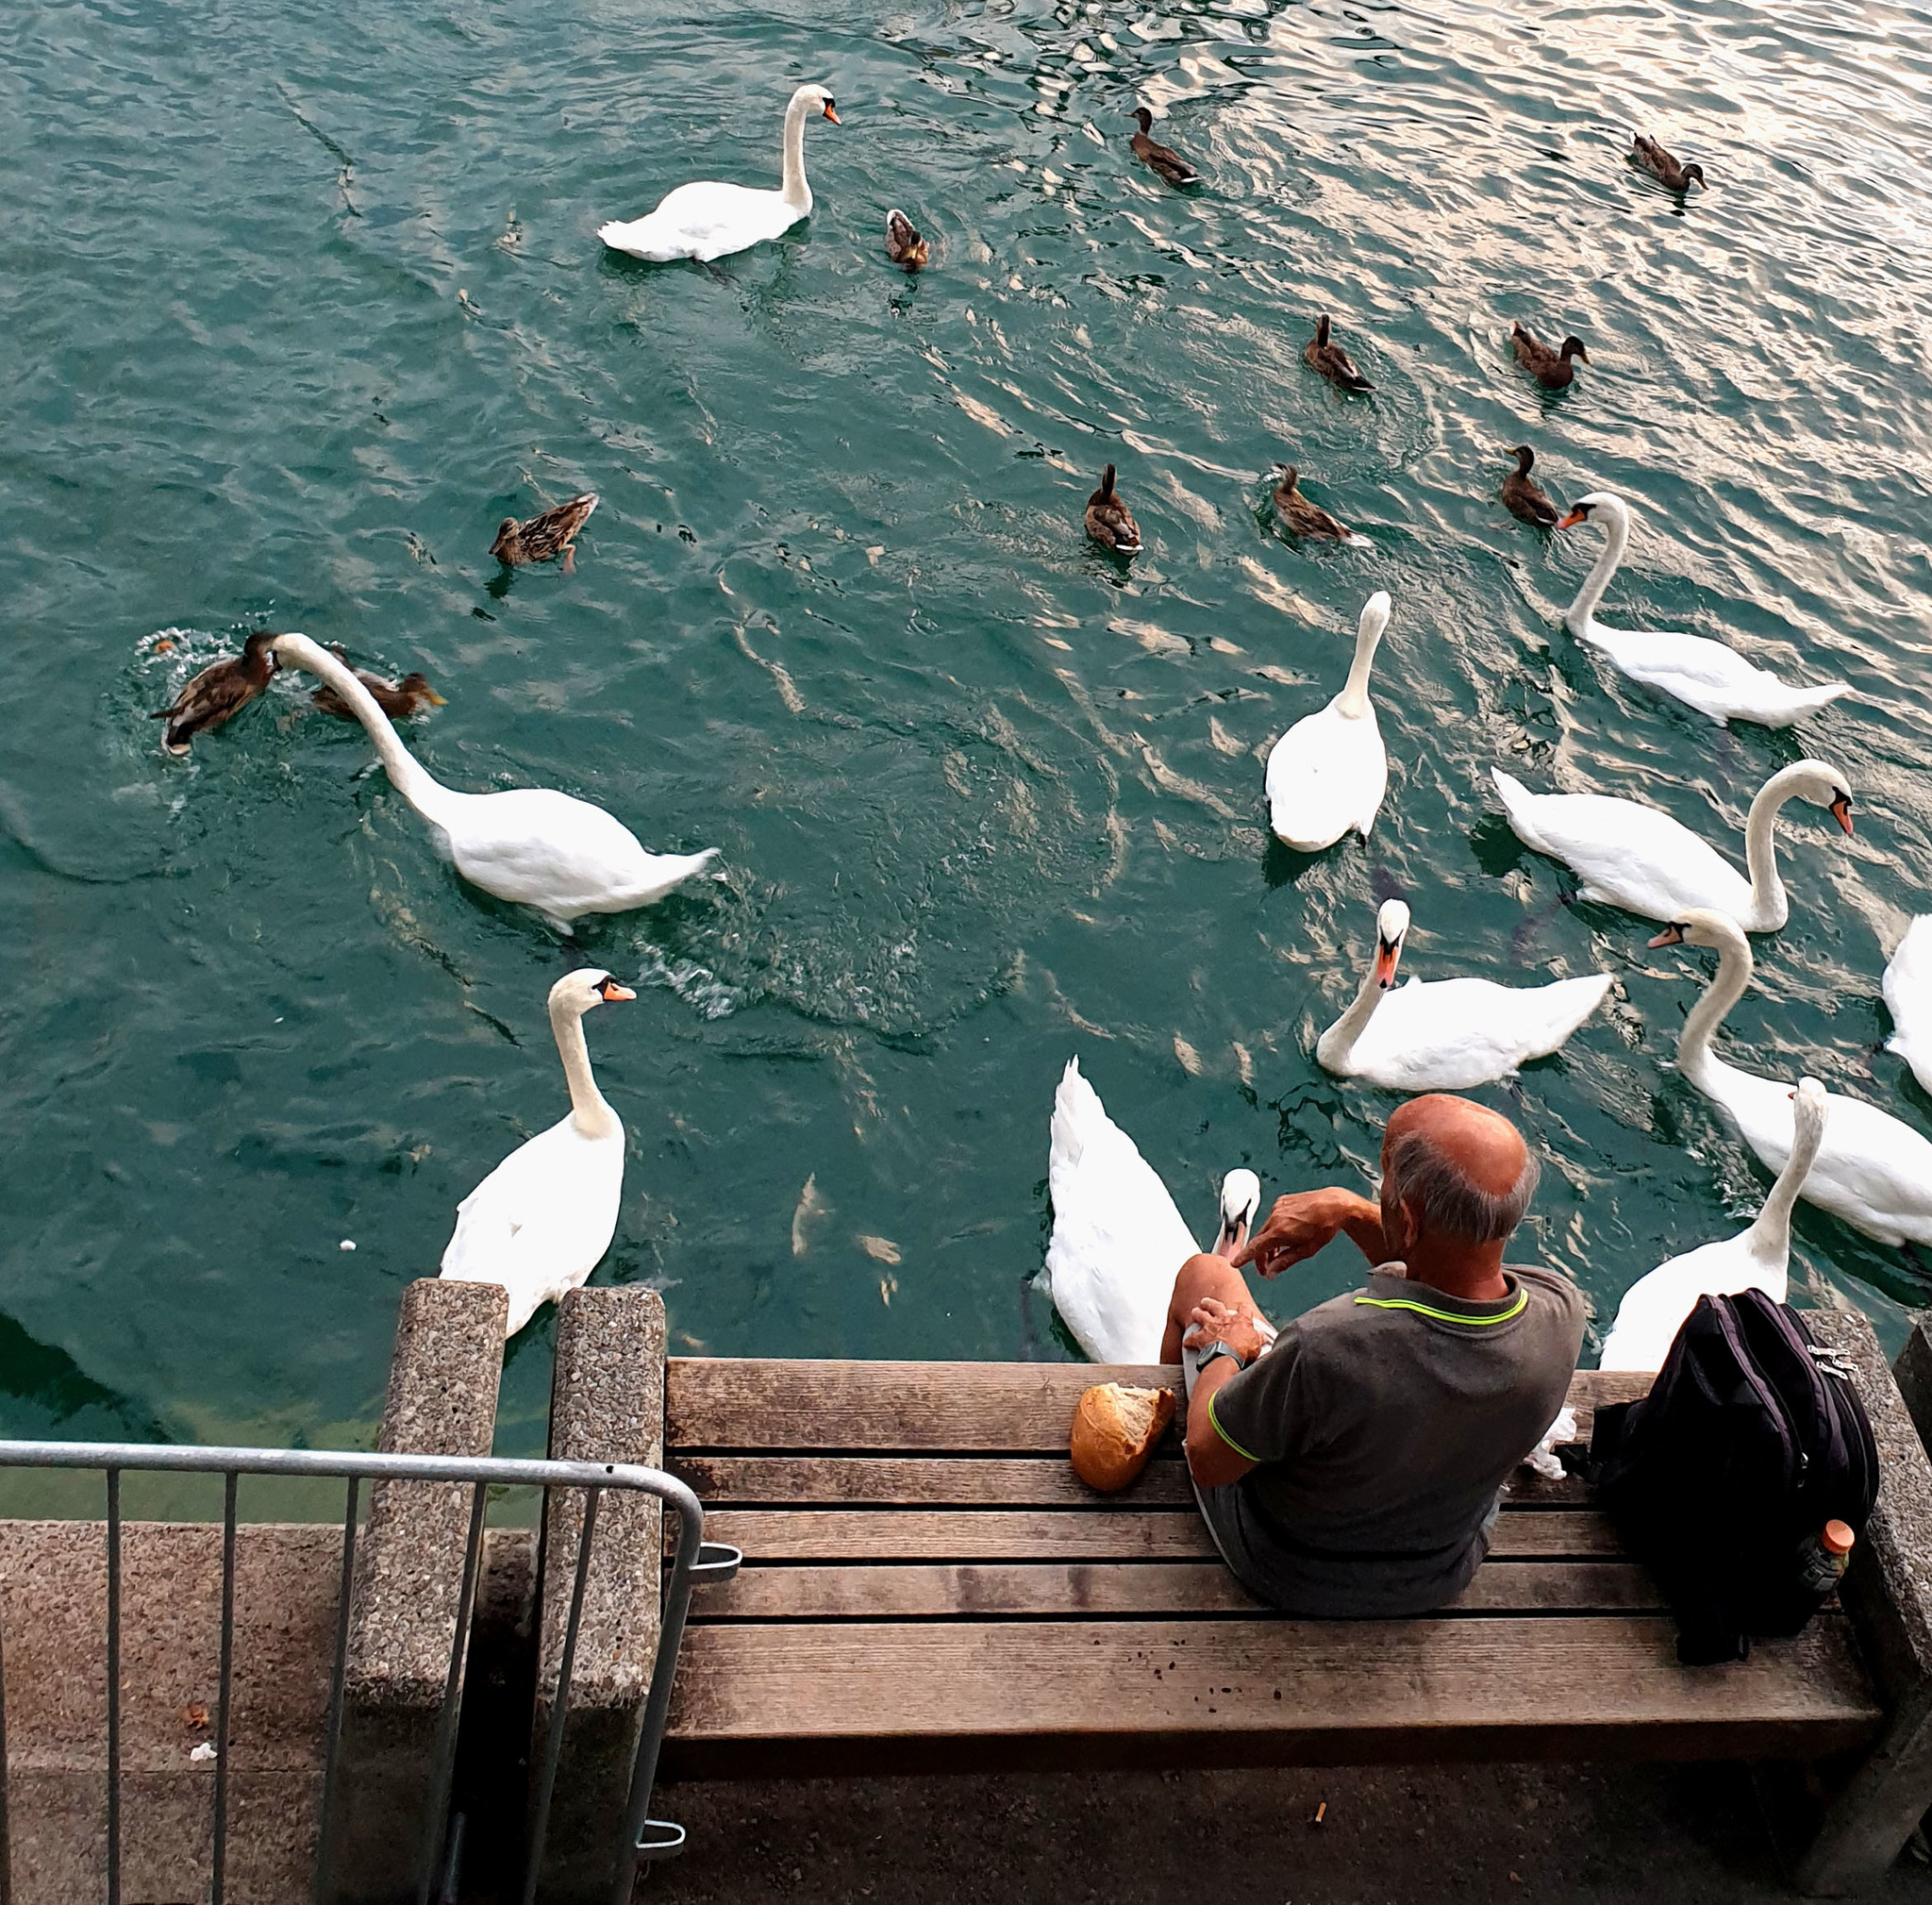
column 1115, row 1430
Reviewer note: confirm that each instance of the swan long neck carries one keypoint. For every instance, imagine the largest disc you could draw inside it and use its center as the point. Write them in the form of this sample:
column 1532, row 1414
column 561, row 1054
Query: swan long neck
column 1695, row 1058
column 408, row 775
column 796, row 191
column 1353, row 699
column 1770, row 1235
column 1760, row 844
column 1616, row 520
column 1334, row 1046
column 588, row 1111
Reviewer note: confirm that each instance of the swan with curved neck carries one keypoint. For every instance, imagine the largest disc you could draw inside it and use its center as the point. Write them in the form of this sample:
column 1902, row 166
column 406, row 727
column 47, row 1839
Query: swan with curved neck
column 1872, row 1169
column 1641, row 858
column 1330, row 772
column 541, row 1221
column 1705, row 675
column 1653, row 1307
column 1447, row 1034
column 530, row 845
column 709, row 219
column 1118, row 1241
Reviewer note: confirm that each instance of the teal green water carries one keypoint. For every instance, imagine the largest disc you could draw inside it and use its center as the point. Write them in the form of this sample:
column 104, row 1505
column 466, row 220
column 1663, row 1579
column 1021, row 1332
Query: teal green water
column 300, row 300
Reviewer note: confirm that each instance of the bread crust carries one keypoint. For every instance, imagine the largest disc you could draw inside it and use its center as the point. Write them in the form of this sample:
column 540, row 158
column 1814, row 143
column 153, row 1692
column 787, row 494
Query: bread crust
column 1116, row 1430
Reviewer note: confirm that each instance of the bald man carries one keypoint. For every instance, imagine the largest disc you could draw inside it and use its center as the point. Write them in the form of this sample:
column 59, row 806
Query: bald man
column 1351, row 1465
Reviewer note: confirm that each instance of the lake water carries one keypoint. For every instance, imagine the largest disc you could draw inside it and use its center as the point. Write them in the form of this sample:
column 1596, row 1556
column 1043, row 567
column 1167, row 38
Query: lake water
column 301, row 300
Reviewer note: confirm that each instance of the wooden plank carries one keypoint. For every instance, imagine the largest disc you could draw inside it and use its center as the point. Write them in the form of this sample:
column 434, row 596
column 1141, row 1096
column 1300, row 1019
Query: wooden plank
column 778, row 1403
column 1511, row 1686
column 913, row 1480
column 1140, row 1590
column 1043, row 1535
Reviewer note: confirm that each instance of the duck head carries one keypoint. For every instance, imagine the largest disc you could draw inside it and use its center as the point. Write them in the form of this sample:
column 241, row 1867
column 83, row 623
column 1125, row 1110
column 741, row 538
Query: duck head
column 1573, row 347
column 1144, row 118
column 416, row 686
column 1525, row 458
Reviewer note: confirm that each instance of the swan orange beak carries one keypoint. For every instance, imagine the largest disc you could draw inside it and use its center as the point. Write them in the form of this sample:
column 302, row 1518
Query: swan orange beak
column 831, row 115
column 1842, row 811
column 1571, row 521
column 611, row 992
column 1387, row 958
column 1671, row 935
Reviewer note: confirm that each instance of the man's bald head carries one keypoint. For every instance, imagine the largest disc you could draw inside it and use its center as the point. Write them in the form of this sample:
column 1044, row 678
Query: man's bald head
column 1456, row 1170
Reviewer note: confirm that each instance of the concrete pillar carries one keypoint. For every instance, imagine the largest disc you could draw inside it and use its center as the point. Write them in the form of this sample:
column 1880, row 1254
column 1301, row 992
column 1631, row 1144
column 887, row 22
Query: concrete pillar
column 442, row 1383
column 607, row 1404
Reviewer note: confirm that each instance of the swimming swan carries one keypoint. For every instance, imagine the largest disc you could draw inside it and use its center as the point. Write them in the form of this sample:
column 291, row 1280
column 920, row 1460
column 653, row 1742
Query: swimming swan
column 1448, row 1034
column 530, row 845
column 1873, row 1170
column 1653, row 1307
column 1705, row 675
column 1330, row 772
column 1118, row 1242
column 1639, row 858
column 1908, row 998
column 541, row 1221
column 708, row 219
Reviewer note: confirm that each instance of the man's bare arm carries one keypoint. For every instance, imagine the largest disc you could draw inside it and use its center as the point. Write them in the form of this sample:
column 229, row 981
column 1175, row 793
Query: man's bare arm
column 1213, row 1460
column 1306, row 1222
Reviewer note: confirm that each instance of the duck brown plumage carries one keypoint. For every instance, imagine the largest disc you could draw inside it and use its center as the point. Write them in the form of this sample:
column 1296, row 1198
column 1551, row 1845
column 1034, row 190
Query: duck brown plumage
column 1524, row 498
column 397, row 700
column 1110, row 522
column 1161, row 158
column 904, row 245
column 1648, row 156
column 1552, row 369
column 1335, row 363
column 218, row 694
column 546, row 536
column 1299, row 516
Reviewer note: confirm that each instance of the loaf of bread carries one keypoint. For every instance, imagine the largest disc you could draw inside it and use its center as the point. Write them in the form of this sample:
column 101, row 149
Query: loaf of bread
column 1115, row 1430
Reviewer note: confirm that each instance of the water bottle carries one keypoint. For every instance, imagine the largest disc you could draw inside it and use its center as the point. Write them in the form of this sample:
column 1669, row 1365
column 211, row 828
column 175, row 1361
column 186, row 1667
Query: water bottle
column 1822, row 1557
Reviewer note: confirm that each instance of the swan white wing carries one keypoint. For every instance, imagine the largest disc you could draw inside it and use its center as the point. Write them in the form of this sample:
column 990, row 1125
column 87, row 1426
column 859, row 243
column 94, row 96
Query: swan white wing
column 1653, row 1307
column 1327, row 775
column 1909, row 999
column 1709, row 676
column 541, row 1221
column 1633, row 856
column 1446, row 1035
column 703, row 220
column 1118, row 1240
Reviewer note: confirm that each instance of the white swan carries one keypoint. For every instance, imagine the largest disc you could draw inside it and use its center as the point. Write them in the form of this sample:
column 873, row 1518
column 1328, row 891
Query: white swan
column 1653, row 1307
column 1908, row 998
column 708, row 219
column 1330, row 772
column 1639, row 858
column 1448, row 1034
column 1871, row 1170
column 530, row 845
column 1117, row 1239
column 1705, row 675
column 541, row 1221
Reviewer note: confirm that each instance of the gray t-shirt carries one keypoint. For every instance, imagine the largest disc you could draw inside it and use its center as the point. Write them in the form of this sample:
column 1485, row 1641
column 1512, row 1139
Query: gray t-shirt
column 1385, row 1423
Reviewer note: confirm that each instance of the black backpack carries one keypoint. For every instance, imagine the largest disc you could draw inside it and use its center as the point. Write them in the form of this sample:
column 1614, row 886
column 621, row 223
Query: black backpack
column 1750, row 1439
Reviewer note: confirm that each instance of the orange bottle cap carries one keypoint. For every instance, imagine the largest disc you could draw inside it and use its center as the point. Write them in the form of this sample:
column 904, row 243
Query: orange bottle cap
column 1838, row 1538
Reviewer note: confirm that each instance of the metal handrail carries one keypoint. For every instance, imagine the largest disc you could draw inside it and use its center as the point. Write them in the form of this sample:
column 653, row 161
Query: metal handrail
column 695, row 1560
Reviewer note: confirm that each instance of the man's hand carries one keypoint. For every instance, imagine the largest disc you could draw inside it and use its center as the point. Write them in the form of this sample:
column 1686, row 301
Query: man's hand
column 1307, row 1221
column 1213, row 1321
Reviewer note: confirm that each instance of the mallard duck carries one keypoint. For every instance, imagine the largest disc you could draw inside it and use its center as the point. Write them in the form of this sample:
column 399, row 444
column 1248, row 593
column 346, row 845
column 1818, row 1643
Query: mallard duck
column 397, row 700
column 1524, row 498
column 1300, row 516
column 904, row 245
column 1161, row 158
column 1333, row 361
column 1552, row 369
column 1110, row 522
column 546, row 536
column 1648, row 156
column 218, row 694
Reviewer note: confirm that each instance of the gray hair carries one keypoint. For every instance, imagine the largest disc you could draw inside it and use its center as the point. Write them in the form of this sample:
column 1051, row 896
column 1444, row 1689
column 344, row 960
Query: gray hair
column 1443, row 1199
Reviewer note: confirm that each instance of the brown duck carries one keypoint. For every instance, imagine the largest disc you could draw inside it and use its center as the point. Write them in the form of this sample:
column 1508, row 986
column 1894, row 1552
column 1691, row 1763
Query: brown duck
column 546, row 536
column 1523, row 498
column 1552, row 369
column 397, row 700
column 1333, row 361
column 1161, row 158
column 218, row 694
column 1648, row 156
column 904, row 245
column 1299, row 516
column 1110, row 522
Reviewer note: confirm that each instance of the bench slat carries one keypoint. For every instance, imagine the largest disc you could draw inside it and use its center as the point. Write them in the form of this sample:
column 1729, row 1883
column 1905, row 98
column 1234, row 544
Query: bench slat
column 1118, row 1534
column 1282, row 1689
column 1016, row 1482
column 1139, row 1588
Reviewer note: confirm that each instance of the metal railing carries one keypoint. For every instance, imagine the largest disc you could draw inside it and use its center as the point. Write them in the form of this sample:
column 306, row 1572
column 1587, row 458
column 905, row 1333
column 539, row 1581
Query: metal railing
column 695, row 1563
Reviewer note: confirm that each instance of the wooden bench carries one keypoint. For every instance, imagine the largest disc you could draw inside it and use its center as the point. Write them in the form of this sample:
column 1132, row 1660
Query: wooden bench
column 928, row 1587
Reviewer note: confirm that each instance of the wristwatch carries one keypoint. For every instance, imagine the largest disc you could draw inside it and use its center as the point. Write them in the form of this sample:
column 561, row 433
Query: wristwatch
column 1207, row 1354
